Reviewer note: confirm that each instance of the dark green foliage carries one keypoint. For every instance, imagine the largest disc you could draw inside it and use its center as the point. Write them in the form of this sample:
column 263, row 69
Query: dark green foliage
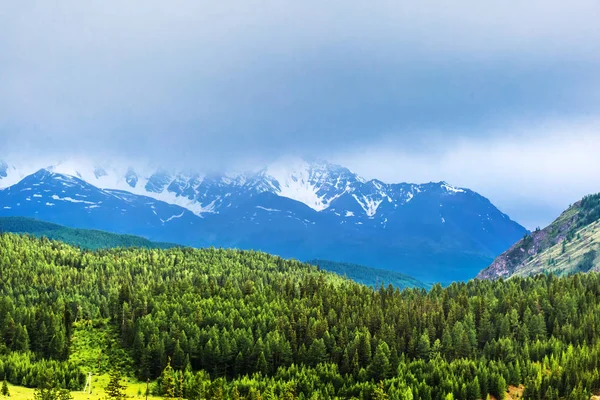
column 84, row 238
column 4, row 390
column 369, row 276
column 248, row 325
column 590, row 210
column 587, row 262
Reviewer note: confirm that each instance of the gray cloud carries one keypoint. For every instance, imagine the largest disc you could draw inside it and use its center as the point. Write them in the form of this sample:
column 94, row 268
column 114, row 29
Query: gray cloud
column 215, row 83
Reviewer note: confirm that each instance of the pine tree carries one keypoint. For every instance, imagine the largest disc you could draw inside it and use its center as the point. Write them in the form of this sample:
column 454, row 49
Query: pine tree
column 5, row 391
column 423, row 347
column 178, row 357
column 261, row 364
column 380, row 367
column 379, row 392
column 317, row 352
column 168, row 381
column 115, row 390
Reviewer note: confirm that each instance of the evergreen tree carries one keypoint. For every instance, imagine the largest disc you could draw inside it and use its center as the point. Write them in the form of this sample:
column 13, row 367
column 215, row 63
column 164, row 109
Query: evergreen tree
column 423, row 347
column 4, row 390
column 380, row 367
column 115, row 389
column 379, row 393
column 168, row 381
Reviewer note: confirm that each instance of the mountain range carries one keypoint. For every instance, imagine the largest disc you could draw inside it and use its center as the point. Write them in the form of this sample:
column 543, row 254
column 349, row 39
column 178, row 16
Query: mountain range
column 298, row 209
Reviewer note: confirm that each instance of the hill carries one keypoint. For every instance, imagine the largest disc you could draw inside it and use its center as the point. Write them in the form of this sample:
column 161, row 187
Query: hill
column 84, row 238
column 568, row 245
column 369, row 276
column 230, row 324
column 93, row 240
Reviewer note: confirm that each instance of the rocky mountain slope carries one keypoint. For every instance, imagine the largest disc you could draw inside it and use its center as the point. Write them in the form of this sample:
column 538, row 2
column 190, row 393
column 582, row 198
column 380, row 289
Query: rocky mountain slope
column 433, row 231
column 569, row 245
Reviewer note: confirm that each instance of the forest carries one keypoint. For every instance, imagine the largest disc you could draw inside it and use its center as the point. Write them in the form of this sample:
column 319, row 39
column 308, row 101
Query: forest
column 231, row 324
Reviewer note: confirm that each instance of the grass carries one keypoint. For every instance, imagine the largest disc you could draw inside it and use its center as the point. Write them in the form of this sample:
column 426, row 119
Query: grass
column 95, row 347
column 98, row 384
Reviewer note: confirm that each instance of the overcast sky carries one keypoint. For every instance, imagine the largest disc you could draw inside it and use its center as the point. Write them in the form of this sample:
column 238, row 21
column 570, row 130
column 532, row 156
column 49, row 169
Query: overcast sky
column 499, row 96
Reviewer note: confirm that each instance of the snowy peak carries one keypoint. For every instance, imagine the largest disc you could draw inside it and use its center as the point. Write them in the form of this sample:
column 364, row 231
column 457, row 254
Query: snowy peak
column 317, row 185
column 299, row 210
column 314, row 184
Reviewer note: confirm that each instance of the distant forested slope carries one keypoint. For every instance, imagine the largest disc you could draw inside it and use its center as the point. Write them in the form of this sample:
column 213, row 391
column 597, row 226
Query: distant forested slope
column 85, row 238
column 369, row 276
column 247, row 325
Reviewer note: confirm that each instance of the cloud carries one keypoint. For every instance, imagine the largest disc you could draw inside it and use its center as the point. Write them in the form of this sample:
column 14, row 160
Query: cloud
column 532, row 174
column 208, row 84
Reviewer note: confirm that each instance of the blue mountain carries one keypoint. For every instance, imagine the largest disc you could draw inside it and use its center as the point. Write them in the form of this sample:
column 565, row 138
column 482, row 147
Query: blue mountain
column 432, row 231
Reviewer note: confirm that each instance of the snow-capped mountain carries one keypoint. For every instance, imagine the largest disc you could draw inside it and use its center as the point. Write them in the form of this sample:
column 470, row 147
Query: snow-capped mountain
column 57, row 198
column 292, row 208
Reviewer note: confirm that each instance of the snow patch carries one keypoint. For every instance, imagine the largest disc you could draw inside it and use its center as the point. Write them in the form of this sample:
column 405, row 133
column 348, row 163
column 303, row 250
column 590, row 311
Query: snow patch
column 451, row 189
column 349, row 214
column 172, row 217
column 55, row 197
column 268, row 209
column 369, row 205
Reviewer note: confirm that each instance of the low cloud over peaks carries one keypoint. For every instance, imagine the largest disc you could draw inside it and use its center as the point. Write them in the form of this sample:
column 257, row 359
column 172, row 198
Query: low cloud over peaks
column 210, row 84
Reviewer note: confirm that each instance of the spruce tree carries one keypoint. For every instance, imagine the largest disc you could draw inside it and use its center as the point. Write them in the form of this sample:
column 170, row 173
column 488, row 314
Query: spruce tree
column 5, row 391
column 115, row 390
column 168, row 381
column 380, row 367
column 423, row 347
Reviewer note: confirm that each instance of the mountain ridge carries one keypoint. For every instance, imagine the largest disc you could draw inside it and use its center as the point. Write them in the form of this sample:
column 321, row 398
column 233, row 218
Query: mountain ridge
column 317, row 185
column 442, row 232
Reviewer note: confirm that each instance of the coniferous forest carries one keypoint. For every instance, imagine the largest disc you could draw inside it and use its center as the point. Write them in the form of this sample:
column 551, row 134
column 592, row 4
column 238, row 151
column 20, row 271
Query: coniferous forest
column 228, row 324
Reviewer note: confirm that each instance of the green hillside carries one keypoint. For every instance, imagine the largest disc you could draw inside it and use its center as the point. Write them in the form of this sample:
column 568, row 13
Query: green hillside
column 229, row 324
column 93, row 240
column 369, row 276
column 569, row 245
column 84, row 238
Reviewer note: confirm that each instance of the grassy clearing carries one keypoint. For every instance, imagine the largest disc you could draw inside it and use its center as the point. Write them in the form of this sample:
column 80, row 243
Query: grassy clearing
column 98, row 383
column 95, row 347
